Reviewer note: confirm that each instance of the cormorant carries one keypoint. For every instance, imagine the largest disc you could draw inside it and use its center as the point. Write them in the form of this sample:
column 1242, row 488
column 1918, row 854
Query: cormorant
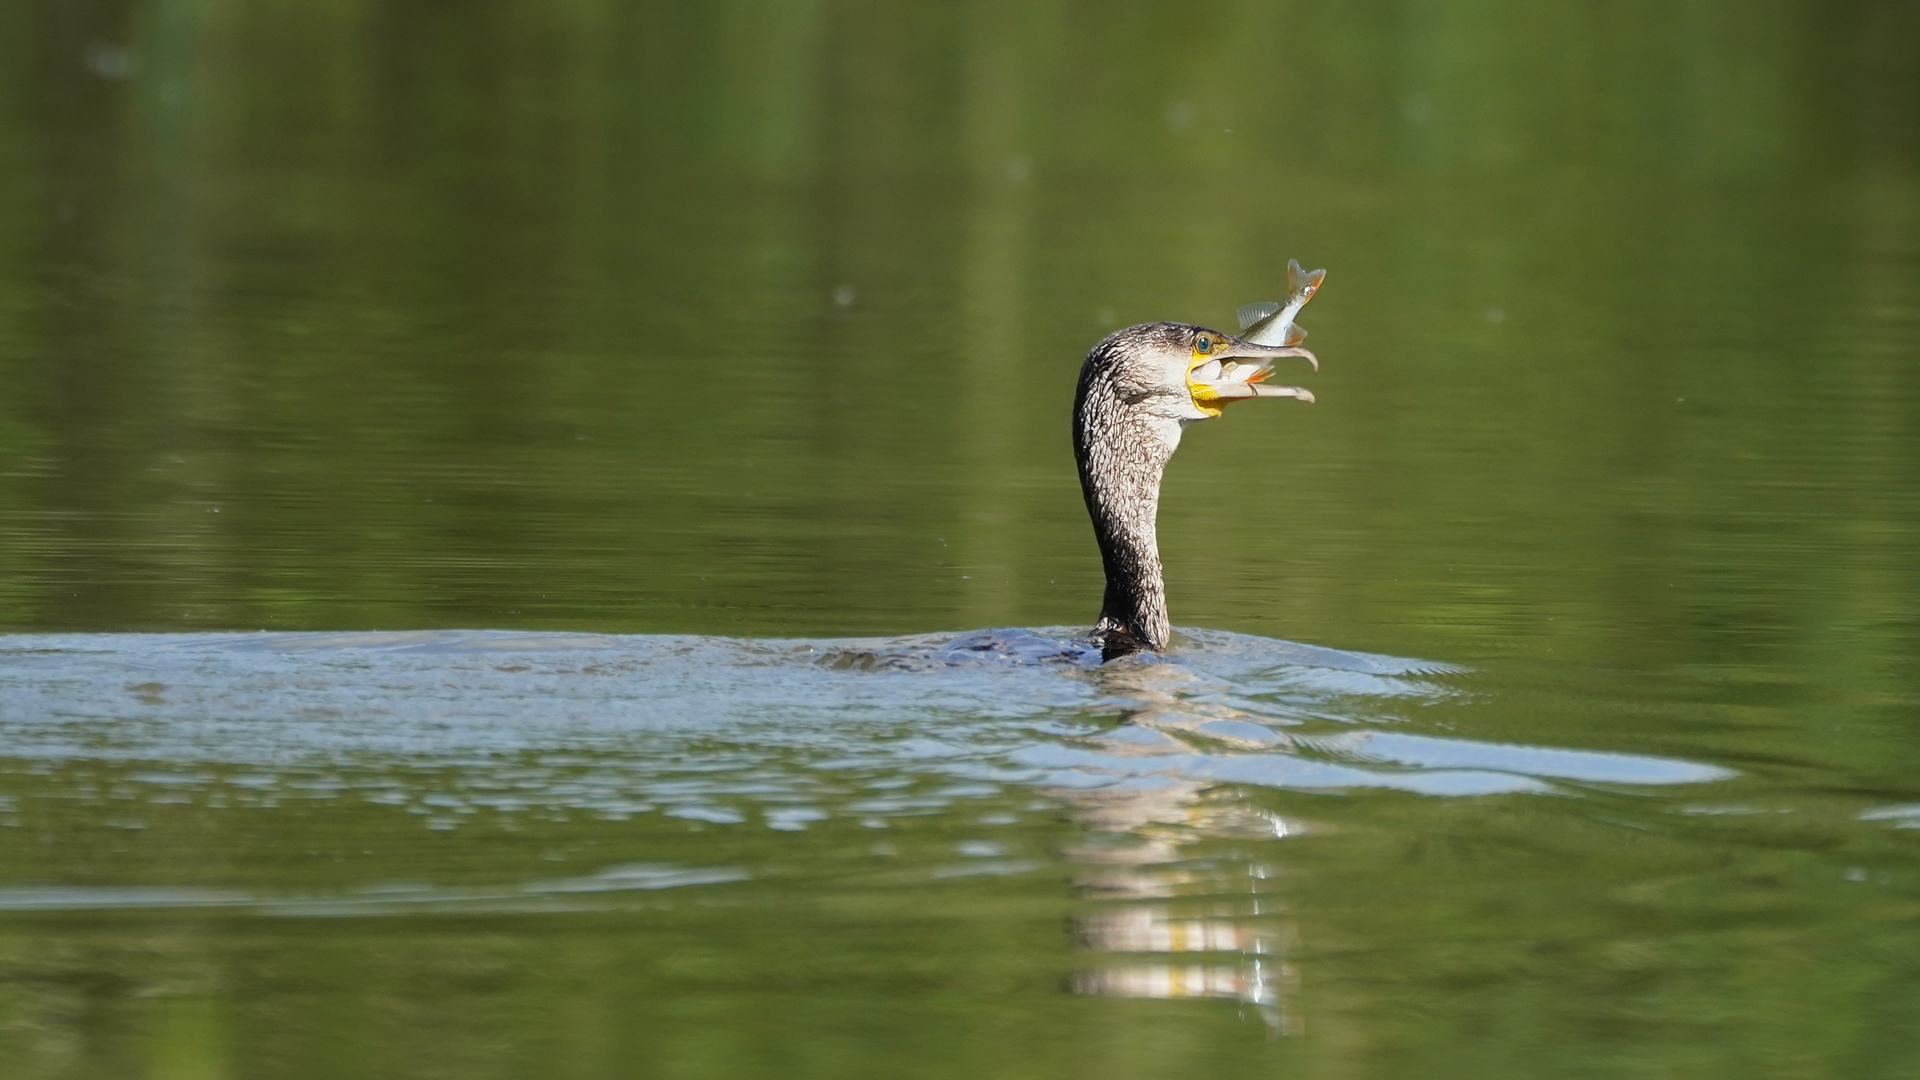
column 1138, row 388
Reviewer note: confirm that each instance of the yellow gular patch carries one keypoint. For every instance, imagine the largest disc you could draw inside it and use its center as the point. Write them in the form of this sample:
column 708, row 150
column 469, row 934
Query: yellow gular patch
column 1203, row 396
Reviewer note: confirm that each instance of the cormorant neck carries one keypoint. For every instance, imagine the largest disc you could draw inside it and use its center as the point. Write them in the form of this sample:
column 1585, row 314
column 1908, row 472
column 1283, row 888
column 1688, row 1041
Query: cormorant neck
column 1122, row 450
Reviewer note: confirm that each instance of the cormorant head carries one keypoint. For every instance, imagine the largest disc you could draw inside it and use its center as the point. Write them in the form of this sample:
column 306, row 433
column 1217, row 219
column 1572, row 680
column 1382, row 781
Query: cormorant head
column 1188, row 373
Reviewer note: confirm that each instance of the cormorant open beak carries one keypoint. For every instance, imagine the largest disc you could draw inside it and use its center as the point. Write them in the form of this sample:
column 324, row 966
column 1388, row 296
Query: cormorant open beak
column 1234, row 372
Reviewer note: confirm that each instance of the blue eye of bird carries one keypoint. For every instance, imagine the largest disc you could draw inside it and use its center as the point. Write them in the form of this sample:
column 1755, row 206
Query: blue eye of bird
column 1205, row 345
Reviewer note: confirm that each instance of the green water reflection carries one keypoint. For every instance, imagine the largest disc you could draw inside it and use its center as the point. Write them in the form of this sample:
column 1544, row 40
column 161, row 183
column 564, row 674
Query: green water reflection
column 761, row 319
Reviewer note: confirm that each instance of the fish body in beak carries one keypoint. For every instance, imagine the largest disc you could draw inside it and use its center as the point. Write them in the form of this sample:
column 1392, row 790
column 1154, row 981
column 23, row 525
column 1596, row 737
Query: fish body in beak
column 1229, row 368
column 1268, row 323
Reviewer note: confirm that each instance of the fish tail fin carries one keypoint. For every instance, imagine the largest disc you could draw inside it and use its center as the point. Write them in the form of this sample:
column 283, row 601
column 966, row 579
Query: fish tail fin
column 1302, row 284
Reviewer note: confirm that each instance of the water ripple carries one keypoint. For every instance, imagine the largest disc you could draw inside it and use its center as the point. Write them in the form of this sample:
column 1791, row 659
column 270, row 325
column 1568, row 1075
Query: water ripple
column 453, row 725
column 593, row 892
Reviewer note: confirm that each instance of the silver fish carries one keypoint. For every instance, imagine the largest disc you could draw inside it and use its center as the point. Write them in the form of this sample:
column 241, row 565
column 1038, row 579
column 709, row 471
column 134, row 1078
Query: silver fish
column 1267, row 323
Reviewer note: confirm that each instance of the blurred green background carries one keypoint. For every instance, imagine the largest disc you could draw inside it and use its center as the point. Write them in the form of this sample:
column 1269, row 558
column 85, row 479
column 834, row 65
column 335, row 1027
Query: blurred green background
column 762, row 318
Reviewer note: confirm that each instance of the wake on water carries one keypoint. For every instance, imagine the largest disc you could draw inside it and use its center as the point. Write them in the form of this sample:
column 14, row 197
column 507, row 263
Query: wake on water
column 463, row 726
column 1008, row 706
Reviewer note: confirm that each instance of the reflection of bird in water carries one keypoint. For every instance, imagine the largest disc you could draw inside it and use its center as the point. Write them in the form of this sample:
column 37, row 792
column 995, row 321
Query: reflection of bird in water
column 1138, row 389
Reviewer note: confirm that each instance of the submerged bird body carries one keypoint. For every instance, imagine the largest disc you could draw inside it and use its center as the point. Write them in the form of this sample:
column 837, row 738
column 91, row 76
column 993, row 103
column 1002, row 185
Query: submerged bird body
column 1139, row 388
